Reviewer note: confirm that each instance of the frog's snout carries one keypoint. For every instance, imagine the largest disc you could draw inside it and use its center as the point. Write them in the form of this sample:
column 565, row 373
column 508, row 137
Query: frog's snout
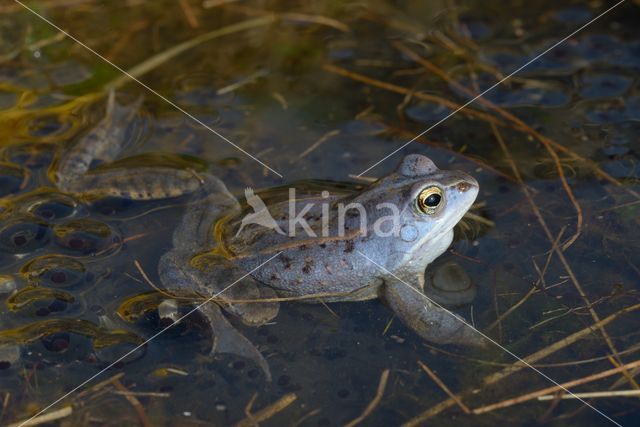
column 463, row 186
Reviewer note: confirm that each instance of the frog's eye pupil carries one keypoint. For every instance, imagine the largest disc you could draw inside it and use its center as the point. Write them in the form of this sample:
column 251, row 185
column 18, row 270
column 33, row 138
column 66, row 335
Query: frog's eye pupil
column 429, row 200
column 433, row 200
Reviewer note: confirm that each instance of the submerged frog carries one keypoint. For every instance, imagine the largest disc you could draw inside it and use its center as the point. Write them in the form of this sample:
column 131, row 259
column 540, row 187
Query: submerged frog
column 339, row 247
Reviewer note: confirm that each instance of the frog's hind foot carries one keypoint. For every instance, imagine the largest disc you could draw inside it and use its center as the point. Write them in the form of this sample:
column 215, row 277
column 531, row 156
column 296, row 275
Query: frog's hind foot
column 226, row 339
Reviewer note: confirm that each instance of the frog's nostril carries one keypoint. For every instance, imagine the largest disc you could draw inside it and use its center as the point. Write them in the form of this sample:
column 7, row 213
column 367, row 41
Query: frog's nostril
column 463, row 186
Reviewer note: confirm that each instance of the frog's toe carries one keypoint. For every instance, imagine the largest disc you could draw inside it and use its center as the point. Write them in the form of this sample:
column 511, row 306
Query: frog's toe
column 450, row 286
column 226, row 339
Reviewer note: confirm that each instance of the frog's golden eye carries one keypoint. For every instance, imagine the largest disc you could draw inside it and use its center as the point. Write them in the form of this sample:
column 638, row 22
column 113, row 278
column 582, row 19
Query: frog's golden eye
column 429, row 199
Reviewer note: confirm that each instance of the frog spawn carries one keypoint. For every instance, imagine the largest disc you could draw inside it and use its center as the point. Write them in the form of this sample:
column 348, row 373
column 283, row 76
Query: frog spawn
column 36, row 225
column 35, row 220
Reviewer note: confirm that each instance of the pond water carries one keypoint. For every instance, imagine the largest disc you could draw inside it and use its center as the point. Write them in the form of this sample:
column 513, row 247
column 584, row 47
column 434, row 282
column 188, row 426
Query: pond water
column 323, row 91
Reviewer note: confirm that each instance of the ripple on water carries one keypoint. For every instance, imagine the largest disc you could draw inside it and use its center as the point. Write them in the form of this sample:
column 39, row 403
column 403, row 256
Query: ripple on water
column 13, row 179
column 476, row 28
column 573, row 15
column 56, row 127
column 24, row 235
column 563, row 60
column 32, row 155
column 9, row 356
column 86, row 236
column 427, row 112
column 7, row 100
column 68, row 73
column 611, row 111
column 603, row 85
column 622, row 168
column 53, row 206
column 56, row 271
column 528, row 93
column 364, row 127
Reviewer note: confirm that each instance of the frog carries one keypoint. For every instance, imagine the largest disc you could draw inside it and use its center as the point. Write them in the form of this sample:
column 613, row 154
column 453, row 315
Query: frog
column 340, row 246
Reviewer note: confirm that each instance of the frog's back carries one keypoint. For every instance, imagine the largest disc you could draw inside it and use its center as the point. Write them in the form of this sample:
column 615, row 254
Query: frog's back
column 311, row 261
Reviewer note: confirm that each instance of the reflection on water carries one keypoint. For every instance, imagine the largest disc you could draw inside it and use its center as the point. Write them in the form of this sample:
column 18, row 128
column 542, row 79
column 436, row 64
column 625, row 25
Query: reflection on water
column 322, row 91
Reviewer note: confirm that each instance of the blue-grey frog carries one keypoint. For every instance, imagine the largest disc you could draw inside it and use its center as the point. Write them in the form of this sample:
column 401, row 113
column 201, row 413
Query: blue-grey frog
column 345, row 245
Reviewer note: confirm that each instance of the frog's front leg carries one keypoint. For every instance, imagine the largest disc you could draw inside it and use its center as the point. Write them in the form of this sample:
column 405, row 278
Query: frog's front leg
column 428, row 319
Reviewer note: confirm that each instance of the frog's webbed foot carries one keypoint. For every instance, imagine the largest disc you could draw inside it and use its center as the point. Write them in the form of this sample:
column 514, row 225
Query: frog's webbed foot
column 449, row 285
column 429, row 320
column 226, row 339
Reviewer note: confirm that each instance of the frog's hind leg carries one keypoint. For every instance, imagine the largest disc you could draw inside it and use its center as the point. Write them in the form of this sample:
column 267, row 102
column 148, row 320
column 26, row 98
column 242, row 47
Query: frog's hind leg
column 176, row 273
column 227, row 339
column 429, row 320
column 141, row 183
column 185, row 268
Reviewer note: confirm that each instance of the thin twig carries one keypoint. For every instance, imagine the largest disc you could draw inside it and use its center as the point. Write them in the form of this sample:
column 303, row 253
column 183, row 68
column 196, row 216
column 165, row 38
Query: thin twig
column 268, row 412
column 142, row 393
column 559, row 251
column 443, row 146
column 5, row 404
column 404, row 91
column 531, row 291
column 555, row 388
column 153, row 285
column 316, row 144
column 189, row 14
column 291, row 16
column 154, row 61
column 45, row 418
column 593, row 394
column 515, row 120
column 444, row 387
column 494, row 378
column 375, row 402
column 140, row 412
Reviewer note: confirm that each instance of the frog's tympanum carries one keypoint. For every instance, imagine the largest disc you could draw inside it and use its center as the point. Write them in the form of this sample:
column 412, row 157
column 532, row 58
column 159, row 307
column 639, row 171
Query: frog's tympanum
column 341, row 246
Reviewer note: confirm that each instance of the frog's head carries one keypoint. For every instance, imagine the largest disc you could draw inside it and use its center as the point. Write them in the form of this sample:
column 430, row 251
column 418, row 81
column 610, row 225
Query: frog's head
column 436, row 200
column 431, row 201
